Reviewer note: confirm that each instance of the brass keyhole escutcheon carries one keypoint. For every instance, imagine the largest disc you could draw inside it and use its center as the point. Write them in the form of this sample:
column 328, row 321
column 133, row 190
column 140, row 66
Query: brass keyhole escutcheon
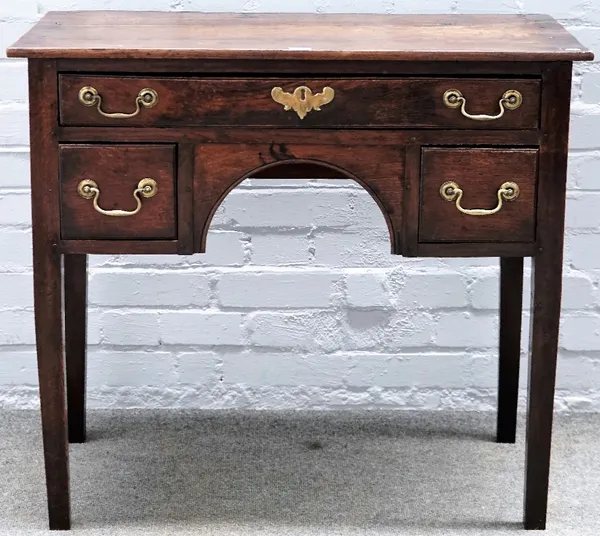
column 302, row 100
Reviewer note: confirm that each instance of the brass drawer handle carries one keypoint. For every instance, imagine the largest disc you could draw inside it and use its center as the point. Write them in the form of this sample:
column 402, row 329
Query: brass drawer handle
column 88, row 189
column 511, row 100
column 89, row 96
column 302, row 100
column 450, row 191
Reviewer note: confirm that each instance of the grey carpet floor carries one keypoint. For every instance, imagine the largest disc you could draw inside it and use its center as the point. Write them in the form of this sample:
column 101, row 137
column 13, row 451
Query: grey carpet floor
column 298, row 473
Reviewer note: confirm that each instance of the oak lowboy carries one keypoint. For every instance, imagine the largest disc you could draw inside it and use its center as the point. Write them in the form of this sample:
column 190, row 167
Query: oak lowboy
column 141, row 123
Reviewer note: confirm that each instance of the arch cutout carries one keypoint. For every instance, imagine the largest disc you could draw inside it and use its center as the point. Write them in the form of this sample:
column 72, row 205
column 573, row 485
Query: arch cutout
column 387, row 198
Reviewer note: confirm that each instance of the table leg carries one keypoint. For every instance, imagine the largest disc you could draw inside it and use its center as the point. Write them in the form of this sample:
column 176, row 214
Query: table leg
column 546, row 288
column 511, row 307
column 75, row 285
column 51, row 370
column 547, row 274
column 47, row 287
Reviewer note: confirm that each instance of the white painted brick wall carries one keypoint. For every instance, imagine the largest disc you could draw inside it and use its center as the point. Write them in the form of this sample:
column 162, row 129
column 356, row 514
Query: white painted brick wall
column 297, row 302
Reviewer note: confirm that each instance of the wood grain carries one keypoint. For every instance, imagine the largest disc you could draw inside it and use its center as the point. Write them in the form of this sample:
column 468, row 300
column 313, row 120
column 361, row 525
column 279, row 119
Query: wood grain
column 47, row 283
column 410, row 210
column 358, row 103
column 185, row 199
column 479, row 173
column 295, row 36
column 117, row 169
column 285, row 135
column 219, row 168
column 546, row 291
column 340, row 67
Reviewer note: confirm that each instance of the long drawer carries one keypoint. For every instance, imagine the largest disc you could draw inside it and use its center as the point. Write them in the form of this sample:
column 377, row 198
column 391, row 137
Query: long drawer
column 449, row 103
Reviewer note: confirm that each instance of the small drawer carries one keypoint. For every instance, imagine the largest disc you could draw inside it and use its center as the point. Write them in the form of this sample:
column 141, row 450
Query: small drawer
column 118, row 192
column 300, row 103
column 478, row 195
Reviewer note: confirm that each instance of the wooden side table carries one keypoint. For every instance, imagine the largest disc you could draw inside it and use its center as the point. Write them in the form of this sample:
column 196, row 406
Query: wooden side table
column 141, row 123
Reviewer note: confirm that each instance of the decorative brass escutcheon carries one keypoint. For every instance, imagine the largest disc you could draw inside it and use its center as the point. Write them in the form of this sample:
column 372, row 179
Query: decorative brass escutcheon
column 511, row 100
column 146, row 98
column 450, row 191
column 88, row 189
column 302, row 100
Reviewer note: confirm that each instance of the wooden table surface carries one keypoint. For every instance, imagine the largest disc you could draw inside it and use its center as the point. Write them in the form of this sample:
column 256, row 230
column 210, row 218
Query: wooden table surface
column 162, row 35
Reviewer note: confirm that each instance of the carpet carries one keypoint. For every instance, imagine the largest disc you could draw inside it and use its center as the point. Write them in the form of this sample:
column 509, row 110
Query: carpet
column 268, row 473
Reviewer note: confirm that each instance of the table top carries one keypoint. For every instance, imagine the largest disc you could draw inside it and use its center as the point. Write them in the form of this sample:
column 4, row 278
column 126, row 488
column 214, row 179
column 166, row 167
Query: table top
column 186, row 35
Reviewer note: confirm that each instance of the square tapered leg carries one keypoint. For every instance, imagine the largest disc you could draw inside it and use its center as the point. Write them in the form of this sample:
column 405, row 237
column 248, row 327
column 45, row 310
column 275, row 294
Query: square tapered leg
column 47, row 283
column 75, row 285
column 511, row 307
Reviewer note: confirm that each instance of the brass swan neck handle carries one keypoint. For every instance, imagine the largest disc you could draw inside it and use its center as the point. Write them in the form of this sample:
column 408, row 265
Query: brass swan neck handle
column 511, row 100
column 89, row 189
column 450, row 191
column 146, row 98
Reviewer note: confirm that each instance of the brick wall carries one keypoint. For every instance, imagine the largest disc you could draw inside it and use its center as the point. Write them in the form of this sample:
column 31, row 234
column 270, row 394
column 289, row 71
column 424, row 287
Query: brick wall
column 297, row 302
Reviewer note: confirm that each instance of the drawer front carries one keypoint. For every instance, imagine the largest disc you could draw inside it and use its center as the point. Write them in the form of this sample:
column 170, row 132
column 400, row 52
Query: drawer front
column 118, row 191
column 469, row 195
column 316, row 103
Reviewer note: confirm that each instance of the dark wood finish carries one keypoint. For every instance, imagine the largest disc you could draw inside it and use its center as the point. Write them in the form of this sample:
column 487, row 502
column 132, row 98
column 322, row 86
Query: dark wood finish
column 340, row 67
column 479, row 173
column 185, row 198
column 382, row 103
column 166, row 247
column 326, row 137
column 75, row 286
column 121, row 247
column 412, row 178
column 216, row 124
column 219, row 168
column 117, row 169
column 546, row 291
column 303, row 170
column 474, row 249
column 295, row 36
column 511, row 307
column 47, row 280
